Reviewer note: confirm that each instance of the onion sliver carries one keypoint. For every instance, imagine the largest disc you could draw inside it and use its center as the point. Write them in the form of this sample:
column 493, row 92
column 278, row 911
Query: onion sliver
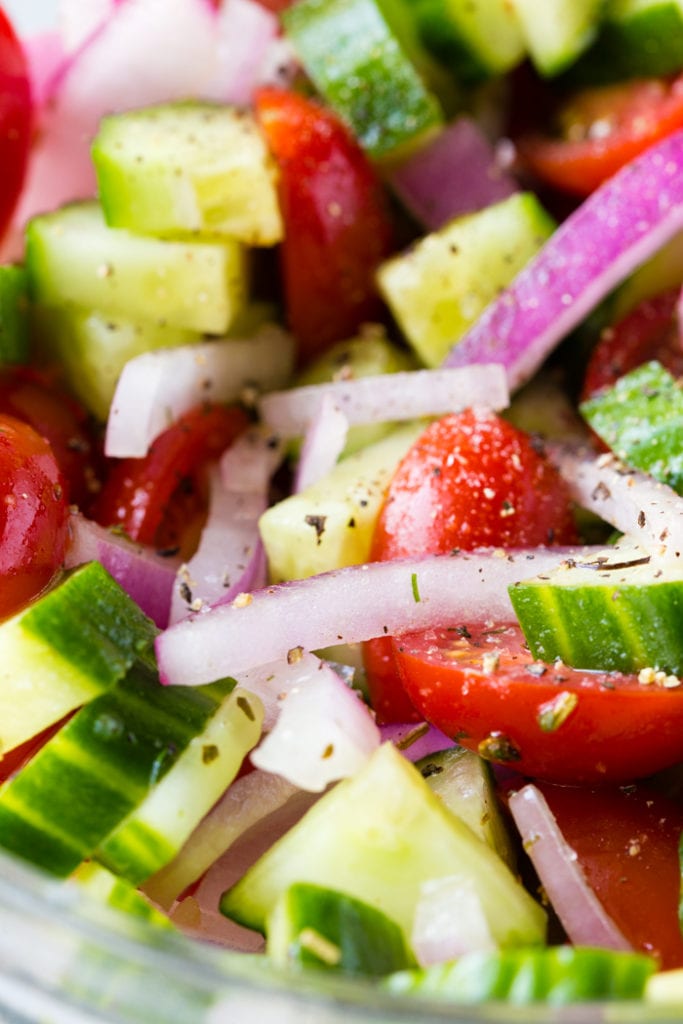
column 324, row 442
column 156, row 388
column 392, row 396
column 623, row 222
column 244, row 32
column 346, row 606
column 578, row 908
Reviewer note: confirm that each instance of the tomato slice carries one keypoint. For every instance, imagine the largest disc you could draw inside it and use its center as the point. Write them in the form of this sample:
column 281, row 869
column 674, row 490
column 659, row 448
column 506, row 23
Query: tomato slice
column 480, row 685
column 146, row 496
column 16, row 119
column 33, row 514
column 337, row 225
column 603, row 129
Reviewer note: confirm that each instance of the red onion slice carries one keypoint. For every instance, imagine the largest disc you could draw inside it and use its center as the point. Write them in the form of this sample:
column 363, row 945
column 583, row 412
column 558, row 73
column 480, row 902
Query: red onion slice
column 156, row 388
column 45, row 56
column 457, row 172
column 623, row 222
column 392, row 396
column 145, row 576
column 245, row 31
column 347, row 606
column 324, row 442
column 78, row 19
column 578, row 908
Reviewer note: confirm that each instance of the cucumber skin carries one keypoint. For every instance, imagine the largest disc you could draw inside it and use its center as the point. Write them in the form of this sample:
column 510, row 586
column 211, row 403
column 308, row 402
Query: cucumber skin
column 443, row 27
column 641, row 44
column 14, row 320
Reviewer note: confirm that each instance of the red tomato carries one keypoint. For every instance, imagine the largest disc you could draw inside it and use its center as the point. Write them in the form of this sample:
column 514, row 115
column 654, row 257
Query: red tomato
column 649, row 332
column 145, row 496
column 471, row 480
column 33, row 514
column 30, row 396
column 480, row 685
column 337, row 227
column 630, row 861
column 603, row 129
column 15, row 119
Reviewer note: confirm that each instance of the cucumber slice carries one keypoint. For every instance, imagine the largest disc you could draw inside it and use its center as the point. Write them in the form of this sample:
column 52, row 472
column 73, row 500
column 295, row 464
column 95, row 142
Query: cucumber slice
column 464, row 781
column 620, row 610
column 641, row 419
column 115, row 892
column 637, row 39
column 557, row 32
column 188, row 167
column 312, row 926
column 343, row 42
column 100, row 766
column 330, row 524
column 439, row 288
column 152, row 834
column 475, row 40
column 74, row 642
column 73, row 257
column 14, row 304
column 378, row 837
column 558, row 976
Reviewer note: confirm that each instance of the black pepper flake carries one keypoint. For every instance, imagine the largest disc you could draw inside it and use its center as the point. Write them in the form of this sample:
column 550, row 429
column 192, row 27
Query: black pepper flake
column 497, row 747
column 318, row 524
column 431, row 769
column 351, row 523
column 185, row 592
column 209, row 753
column 246, row 707
column 641, row 519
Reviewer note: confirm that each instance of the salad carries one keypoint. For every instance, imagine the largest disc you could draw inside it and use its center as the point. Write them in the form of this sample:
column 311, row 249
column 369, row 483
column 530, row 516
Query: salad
column 340, row 418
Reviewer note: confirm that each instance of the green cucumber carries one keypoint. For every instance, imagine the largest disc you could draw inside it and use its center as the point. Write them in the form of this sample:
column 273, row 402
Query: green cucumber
column 557, row 32
column 343, row 42
column 312, row 926
column 330, row 524
column 439, row 288
column 108, row 889
column 620, row 610
column 84, row 781
column 464, row 781
column 14, row 306
column 557, row 976
column 153, row 833
column 73, row 257
column 637, row 39
column 474, row 39
column 70, row 645
column 641, row 419
column 187, row 167
column 379, row 836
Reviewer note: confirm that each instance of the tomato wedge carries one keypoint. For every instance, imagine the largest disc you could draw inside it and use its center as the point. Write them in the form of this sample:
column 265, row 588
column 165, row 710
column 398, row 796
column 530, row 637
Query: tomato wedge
column 480, row 685
column 602, row 130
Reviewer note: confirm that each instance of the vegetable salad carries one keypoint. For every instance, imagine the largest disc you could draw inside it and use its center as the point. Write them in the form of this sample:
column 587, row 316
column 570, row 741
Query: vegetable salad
column 340, row 461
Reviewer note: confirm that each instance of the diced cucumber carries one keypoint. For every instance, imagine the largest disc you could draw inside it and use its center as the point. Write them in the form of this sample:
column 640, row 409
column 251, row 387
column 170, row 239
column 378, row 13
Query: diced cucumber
column 474, row 39
column 662, row 271
column 188, row 167
column 557, row 32
column 73, row 257
column 100, row 766
column 330, row 524
column 558, row 976
column 437, row 289
column 620, row 609
column 637, row 39
column 641, row 419
column 464, row 781
column 151, row 835
column 71, row 644
column 344, row 42
column 312, row 926
column 379, row 836
column 115, row 892
column 14, row 304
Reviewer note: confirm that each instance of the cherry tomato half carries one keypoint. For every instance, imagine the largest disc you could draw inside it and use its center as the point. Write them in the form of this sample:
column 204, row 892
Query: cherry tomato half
column 480, row 685
column 16, row 119
column 33, row 514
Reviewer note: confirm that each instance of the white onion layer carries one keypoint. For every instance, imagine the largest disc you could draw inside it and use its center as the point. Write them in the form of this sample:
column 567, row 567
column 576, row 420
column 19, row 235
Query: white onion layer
column 324, row 442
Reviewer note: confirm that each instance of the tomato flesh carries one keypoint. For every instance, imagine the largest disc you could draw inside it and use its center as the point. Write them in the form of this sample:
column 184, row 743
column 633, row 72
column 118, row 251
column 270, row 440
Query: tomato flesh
column 481, row 686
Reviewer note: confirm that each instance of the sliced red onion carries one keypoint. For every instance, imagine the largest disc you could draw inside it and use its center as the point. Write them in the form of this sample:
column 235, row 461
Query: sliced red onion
column 415, row 741
column 457, row 172
column 245, row 31
column 324, row 442
column 324, row 733
column 578, row 908
column 156, row 388
column 622, row 223
column 78, row 19
column 280, row 65
column 45, row 55
column 449, row 921
column 631, row 501
column 145, row 576
column 272, row 682
column 346, row 606
column 391, row 396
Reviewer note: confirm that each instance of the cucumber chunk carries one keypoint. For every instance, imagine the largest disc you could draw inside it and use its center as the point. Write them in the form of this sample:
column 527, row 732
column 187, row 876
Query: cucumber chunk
column 14, row 305
column 438, row 288
column 74, row 642
column 188, row 167
column 474, row 40
column 620, row 610
column 558, row 976
column 557, row 32
column 637, row 39
column 379, row 836
column 73, row 257
column 641, row 419
column 312, row 926
column 100, row 766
